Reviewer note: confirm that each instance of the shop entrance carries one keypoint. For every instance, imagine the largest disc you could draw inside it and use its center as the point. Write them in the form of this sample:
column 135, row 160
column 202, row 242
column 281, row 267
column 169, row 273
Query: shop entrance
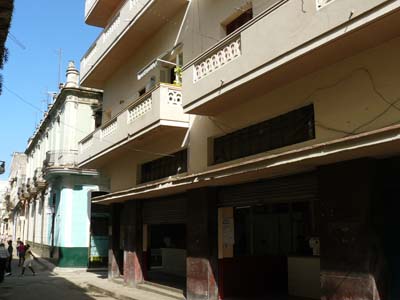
column 167, row 255
column 164, row 246
column 269, row 246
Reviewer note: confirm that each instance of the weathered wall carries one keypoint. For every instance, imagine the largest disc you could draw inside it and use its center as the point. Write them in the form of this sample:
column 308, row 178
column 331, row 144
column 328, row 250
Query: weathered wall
column 352, row 96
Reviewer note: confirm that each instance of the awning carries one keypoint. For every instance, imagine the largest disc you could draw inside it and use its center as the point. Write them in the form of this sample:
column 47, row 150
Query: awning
column 383, row 142
column 155, row 62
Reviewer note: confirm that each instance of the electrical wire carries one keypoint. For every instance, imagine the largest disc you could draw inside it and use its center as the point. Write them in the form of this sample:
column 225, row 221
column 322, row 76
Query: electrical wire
column 16, row 41
column 318, row 123
column 81, row 131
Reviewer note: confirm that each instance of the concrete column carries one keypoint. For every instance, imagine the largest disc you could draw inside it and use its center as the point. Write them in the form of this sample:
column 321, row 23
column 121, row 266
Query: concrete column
column 202, row 245
column 133, row 250
column 114, row 253
column 350, row 267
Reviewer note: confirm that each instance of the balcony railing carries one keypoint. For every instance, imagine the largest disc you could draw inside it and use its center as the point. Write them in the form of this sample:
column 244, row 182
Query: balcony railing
column 38, row 179
column 89, row 6
column 218, row 58
column 129, row 10
column 161, row 106
column 61, row 159
column 250, row 57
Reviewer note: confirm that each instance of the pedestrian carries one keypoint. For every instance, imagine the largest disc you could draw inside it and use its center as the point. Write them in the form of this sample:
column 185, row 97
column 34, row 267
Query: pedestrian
column 10, row 250
column 3, row 259
column 21, row 253
column 29, row 257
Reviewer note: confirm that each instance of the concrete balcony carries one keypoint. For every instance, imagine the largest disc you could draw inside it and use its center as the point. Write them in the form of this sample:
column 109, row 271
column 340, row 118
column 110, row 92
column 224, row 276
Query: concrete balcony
column 284, row 43
column 62, row 163
column 39, row 182
column 56, row 159
column 157, row 112
column 98, row 12
column 129, row 27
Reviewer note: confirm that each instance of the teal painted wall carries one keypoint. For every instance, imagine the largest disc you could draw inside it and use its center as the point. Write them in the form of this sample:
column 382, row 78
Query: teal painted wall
column 81, row 219
column 72, row 221
column 73, row 257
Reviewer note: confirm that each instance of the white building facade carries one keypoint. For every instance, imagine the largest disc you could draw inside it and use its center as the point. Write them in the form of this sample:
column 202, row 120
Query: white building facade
column 55, row 194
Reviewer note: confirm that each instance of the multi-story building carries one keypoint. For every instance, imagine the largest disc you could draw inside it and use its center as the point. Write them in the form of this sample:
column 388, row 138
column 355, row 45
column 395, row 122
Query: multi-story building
column 16, row 179
column 272, row 170
column 56, row 191
column 4, row 212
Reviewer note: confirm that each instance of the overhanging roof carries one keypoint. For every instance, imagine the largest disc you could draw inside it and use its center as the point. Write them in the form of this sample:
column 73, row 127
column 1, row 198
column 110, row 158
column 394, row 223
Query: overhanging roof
column 383, row 142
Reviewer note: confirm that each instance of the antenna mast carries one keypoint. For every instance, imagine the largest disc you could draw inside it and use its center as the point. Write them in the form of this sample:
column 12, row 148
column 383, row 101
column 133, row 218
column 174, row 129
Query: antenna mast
column 59, row 67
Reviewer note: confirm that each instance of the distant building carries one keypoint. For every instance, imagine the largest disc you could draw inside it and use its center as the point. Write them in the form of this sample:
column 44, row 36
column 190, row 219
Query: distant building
column 55, row 196
column 4, row 216
column 17, row 177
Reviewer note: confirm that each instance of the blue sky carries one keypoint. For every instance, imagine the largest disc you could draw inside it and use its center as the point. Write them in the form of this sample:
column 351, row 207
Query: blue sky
column 41, row 27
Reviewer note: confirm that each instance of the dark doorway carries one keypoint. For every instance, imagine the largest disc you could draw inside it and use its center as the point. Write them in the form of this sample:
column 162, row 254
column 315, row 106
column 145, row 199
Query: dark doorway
column 166, row 255
column 271, row 240
column 99, row 239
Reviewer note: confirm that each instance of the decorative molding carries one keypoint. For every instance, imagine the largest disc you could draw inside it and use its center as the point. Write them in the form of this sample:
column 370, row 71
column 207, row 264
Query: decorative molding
column 217, row 60
column 109, row 129
column 139, row 110
column 174, row 97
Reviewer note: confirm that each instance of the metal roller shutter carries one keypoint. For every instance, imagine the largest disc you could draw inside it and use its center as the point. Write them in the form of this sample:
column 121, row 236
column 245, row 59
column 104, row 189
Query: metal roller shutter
column 169, row 210
column 301, row 187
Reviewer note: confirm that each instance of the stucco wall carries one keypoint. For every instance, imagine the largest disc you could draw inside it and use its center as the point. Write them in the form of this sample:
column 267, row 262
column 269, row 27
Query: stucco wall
column 348, row 97
column 205, row 22
column 122, row 87
column 123, row 169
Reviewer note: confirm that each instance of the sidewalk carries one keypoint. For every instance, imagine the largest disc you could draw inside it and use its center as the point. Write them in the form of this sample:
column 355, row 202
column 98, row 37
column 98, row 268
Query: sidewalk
column 99, row 283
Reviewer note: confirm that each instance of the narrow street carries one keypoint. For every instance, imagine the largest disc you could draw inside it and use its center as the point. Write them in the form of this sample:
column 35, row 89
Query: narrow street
column 45, row 285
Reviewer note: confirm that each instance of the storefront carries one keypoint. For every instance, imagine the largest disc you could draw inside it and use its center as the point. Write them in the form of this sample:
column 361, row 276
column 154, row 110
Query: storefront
column 98, row 248
column 164, row 236
column 265, row 231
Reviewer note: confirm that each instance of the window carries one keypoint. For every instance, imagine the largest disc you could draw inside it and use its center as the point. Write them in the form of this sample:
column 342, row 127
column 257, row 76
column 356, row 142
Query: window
column 287, row 129
column 164, row 167
column 274, row 229
column 246, row 16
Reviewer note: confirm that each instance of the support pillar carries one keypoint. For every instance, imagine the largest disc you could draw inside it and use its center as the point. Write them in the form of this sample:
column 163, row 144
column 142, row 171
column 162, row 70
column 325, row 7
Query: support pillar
column 114, row 265
column 133, row 249
column 202, row 245
column 349, row 244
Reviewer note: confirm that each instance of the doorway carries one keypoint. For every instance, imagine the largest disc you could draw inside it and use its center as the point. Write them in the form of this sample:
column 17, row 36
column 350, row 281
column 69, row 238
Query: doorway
column 166, row 255
column 270, row 251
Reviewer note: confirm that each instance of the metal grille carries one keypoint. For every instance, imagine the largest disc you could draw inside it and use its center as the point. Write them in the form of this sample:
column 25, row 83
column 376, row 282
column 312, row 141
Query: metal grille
column 295, row 188
column 170, row 210
column 287, row 129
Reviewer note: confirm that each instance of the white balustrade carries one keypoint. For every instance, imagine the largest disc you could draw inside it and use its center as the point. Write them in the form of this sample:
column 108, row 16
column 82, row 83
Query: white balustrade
column 174, row 97
column 88, row 6
column 133, row 3
column 88, row 58
column 111, row 28
column 106, row 39
column 139, row 110
column 87, row 143
column 109, row 129
column 217, row 60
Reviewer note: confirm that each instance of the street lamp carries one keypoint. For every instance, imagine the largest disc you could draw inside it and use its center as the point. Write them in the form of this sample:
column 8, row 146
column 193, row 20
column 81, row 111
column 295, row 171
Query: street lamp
column 2, row 166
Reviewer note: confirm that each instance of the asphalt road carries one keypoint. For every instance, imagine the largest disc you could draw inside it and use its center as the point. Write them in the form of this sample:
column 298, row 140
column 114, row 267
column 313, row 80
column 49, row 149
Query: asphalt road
column 44, row 286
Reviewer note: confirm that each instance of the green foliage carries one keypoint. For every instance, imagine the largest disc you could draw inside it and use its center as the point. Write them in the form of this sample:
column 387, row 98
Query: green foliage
column 178, row 76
